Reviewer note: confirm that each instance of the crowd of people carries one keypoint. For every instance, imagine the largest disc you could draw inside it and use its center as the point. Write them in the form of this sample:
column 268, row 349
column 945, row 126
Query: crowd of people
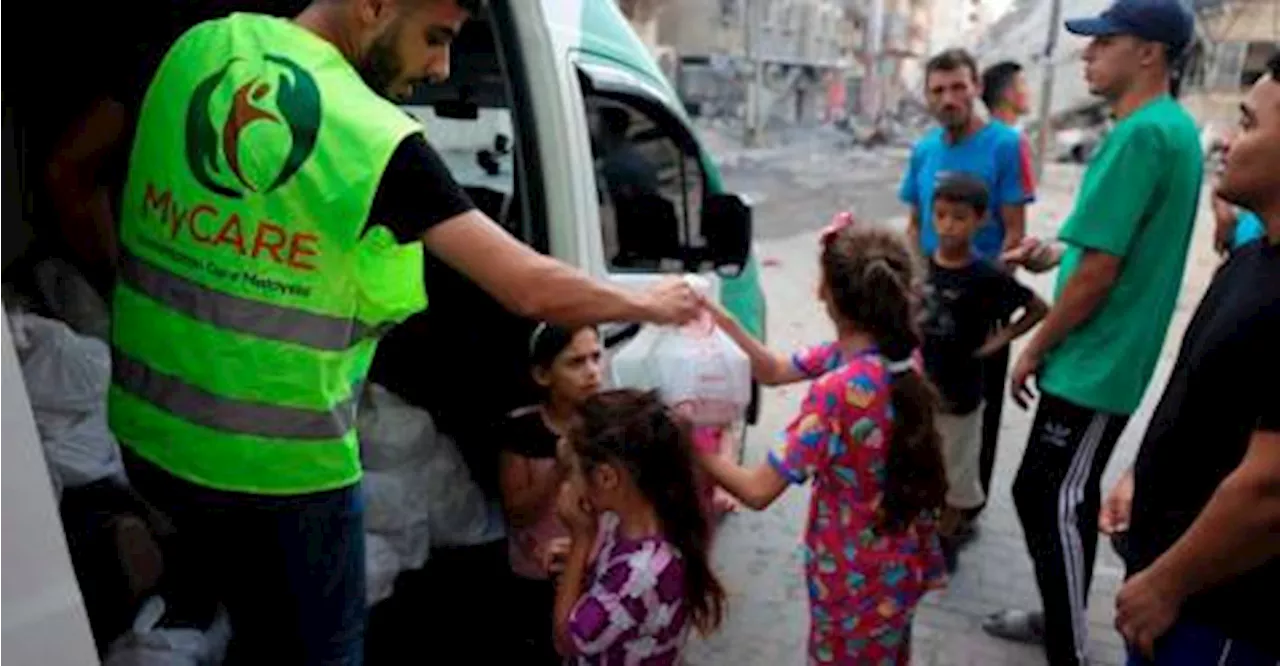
column 897, row 432
column 605, row 491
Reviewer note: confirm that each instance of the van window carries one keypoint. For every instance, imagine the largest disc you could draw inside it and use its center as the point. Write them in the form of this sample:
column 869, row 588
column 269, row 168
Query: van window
column 648, row 184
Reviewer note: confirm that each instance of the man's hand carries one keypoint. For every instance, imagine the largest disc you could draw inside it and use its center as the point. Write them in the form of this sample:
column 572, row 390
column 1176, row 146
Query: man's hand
column 1114, row 516
column 1033, row 254
column 1028, row 364
column 672, row 301
column 1146, row 606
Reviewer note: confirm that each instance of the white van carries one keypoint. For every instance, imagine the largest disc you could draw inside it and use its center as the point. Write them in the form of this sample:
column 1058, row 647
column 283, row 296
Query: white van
column 540, row 92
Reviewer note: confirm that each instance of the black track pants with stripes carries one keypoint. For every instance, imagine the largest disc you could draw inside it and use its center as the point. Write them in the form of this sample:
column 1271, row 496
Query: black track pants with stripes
column 1057, row 495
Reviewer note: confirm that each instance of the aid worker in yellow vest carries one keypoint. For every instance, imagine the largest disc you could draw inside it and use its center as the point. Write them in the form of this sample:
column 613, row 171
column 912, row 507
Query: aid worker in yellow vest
column 273, row 223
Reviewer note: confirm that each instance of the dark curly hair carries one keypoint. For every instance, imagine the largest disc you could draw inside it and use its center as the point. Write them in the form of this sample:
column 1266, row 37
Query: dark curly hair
column 873, row 280
column 636, row 431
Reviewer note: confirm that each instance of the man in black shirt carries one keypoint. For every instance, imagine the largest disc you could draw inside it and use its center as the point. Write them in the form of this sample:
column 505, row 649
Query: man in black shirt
column 1203, row 546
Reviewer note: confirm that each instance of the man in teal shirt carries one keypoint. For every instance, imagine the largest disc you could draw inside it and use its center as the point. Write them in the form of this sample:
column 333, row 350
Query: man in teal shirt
column 1124, row 247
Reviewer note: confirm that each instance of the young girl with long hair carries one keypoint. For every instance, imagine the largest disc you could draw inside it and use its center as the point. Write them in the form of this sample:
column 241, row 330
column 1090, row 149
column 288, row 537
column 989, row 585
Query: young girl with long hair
column 565, row 364
column 865, row 436
column 636, row 573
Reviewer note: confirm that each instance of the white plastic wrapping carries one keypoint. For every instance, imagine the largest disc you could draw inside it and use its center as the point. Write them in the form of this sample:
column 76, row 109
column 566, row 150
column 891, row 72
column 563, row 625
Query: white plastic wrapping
column 417, row 489
column 696, row 368
column 397, row 509
column 392, row 432
column 147, row 644
column 460, row 514
column 67, row 376
column 382, row 565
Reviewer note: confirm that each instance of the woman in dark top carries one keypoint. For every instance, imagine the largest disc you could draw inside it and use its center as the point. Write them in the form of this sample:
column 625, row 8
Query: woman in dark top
column 565, row 363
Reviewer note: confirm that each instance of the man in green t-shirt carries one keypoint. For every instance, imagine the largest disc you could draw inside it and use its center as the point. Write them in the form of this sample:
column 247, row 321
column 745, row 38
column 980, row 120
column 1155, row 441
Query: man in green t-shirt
column 1121, row 262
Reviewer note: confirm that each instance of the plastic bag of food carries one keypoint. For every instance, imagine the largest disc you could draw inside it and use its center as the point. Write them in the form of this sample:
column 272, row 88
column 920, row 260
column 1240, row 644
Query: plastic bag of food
column 696, row 368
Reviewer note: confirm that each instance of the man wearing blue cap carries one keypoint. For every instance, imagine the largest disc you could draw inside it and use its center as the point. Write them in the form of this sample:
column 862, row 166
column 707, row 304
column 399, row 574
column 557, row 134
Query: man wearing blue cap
column 1124, row 248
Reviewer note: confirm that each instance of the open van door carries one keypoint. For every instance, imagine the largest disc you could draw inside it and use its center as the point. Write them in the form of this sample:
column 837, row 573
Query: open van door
column 657, row 214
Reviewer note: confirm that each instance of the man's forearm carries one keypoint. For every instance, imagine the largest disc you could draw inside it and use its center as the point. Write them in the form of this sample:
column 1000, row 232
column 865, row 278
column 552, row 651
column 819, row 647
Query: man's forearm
column 1084, row 292
column 1238, row 530
column 526, row 282
column 564, row 295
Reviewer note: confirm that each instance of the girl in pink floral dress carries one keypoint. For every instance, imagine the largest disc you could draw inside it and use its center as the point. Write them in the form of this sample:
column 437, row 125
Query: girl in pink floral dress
column 865, row 438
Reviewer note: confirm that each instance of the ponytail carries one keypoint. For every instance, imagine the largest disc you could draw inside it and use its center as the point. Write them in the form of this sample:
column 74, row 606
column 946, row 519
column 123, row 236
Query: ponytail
column 915, row 477
column 870, row 275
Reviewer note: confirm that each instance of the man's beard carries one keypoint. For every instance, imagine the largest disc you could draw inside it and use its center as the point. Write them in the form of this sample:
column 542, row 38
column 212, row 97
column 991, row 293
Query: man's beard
column 954, row 121
column 380, row 68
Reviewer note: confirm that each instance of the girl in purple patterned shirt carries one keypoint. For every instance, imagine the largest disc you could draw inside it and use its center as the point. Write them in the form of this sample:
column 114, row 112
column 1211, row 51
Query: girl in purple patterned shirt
column 636, row 575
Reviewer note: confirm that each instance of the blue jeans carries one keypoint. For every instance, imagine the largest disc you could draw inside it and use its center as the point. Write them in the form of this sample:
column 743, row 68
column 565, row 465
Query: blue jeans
column 1190, row 644
column 289, row 569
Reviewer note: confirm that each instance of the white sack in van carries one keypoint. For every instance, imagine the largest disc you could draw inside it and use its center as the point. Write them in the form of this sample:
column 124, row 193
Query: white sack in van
column 67, row 376
column 460, row 513
column 397, row 509
column 147, row 644
column 392, row 432
column 71, row 299
column 381, row 565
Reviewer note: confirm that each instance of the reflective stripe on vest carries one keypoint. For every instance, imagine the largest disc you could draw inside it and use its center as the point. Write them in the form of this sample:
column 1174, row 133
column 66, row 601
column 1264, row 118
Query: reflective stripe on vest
column 201, row 407
column 256, row 318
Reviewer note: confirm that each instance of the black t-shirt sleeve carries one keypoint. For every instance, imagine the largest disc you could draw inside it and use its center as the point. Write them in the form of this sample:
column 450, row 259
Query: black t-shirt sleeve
column 135, row 55
column 525, row 434
column 1007, row 295
column 417, row 192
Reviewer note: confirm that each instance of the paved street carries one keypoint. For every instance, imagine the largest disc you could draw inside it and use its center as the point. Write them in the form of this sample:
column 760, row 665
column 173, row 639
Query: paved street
column 757, row 553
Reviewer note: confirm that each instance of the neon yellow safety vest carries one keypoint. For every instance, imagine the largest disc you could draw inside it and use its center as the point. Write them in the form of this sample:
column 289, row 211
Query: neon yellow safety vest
column 250, row 297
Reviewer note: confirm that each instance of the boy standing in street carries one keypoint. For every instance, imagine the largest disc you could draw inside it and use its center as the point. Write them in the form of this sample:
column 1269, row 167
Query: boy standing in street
column 966, row 298
column 1125, row 250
